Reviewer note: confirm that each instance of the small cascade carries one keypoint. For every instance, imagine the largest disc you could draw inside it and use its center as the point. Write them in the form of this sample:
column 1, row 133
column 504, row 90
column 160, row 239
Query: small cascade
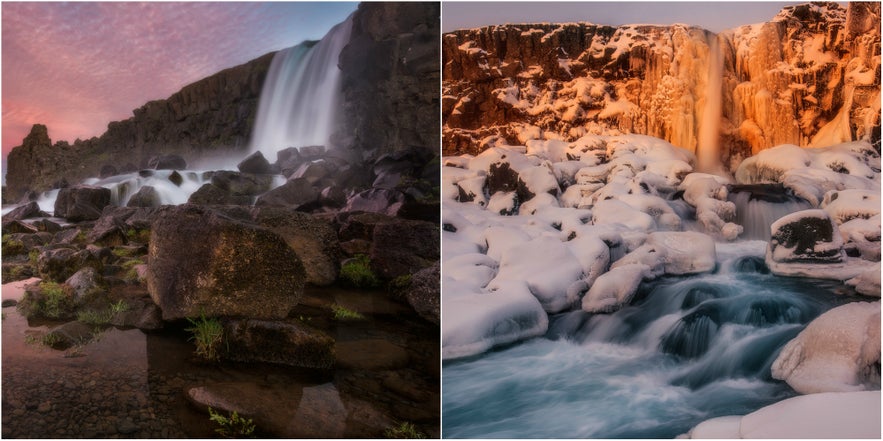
column 758, row 206
column 300, row 98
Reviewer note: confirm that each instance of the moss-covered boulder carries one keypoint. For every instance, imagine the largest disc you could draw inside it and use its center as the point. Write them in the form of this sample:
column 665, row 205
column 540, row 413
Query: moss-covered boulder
column 203, row 262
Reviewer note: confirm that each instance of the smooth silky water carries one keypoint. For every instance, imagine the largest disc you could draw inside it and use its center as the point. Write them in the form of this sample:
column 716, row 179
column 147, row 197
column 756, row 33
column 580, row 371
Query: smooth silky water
column 685, row 350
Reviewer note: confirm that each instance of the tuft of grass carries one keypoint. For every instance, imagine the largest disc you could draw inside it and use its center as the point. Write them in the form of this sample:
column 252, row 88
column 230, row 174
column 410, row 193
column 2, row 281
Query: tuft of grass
column 357, row 273
column 208, row 334
column 404, row 430
column 343, row 314
column 399, row 285
column 233, row 426
column 129, row 267
column 95, row 318
column 138, row 235
column 49, row 339
column 119, row 306
column 33, row 255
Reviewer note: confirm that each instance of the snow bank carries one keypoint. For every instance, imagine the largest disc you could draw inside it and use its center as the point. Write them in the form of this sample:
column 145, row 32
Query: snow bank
column 615, row 288
column 835, row 353
column 832, row 415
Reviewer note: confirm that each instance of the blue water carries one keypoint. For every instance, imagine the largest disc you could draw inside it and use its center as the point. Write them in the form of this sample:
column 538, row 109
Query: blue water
column 688, row 349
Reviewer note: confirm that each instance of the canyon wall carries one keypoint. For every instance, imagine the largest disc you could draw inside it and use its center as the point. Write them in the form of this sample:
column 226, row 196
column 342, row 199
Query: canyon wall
column 212, row 115
column 810, row 76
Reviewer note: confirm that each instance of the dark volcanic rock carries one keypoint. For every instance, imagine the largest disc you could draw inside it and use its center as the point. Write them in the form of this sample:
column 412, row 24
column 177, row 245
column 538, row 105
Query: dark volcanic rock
column 378, row 200
column 176, row 178
column 210, row 194
column 403, row 247
column 59, row 264
column 314, row 240
column 424, row 294
column 202, row 262
column 278, row 342
column 241, row 184
column 255, row 163
column 389, row 76
column 808, row 236
column 293, row 193
column 17, row 226
column 27, row 211
column 167, row 162
column 81, row 202
column 146, row 196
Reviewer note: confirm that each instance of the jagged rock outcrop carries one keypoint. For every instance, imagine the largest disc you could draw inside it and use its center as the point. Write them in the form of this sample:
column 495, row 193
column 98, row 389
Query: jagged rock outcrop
column 389, row 78
column 809, row 77
column 211, row 115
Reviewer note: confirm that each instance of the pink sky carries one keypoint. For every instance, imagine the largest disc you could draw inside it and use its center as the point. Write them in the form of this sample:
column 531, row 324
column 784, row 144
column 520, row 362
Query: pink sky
column 75, row 67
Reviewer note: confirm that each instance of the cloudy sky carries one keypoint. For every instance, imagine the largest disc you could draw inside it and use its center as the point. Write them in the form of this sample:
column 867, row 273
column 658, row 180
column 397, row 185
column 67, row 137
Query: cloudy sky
column 77, row 66
column 712, row 15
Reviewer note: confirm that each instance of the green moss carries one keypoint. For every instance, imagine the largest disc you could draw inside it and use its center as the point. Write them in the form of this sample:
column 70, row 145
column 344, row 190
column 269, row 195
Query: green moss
column 131, row 274
column 138, row 235
column 51, row 302
column 357, row 273
column 404, row 430
column 343, row 314
column 33, row 255
column 12, row 247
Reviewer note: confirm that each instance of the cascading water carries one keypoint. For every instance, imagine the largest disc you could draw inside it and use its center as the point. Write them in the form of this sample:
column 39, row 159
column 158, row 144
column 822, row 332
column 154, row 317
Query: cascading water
column 708, row 151
column 300, row 99
column 758, row 206
column 686, row 350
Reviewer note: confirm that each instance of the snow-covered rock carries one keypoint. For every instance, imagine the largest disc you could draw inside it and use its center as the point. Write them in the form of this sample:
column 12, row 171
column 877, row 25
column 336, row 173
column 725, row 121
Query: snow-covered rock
column 846, row 205
column 615, row 288
column 832, row 415
column 708, row 194
column 548, row 268
column 862, row 238
column 868, row 282
column 836, row 352
column 808, row 236
column 476, row 320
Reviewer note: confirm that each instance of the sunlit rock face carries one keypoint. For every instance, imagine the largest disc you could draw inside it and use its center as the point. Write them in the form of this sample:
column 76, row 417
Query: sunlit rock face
column 810, row 77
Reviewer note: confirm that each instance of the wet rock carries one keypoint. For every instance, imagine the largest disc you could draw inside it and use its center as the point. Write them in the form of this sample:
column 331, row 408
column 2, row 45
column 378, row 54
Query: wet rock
column 167, row 162
column 424, row 293
column 312, row 172
column 146, row 196
column 47, row 226
column 272, row 409
column 332, row 196
column 288, row 160
column 81, row 203
column 210, row 194
column 202, row 262
column 402, row 247
column 241, row 184
column 360, row 225
column 294, row 193
column 27, row 211
column 176, row 178
column 278, row 342
column 312, row 152
column 255, row 163
column 314, row 240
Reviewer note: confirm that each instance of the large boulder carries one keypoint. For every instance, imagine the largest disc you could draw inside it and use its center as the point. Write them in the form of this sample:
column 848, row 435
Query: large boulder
column 837, row 352
column 255, row 163
column 81, row 203
column 313, row 239
column 202, row 262
column 806, row 236
column 245, row 184
column 59, row 264
column 210, row 194
column 146, row 196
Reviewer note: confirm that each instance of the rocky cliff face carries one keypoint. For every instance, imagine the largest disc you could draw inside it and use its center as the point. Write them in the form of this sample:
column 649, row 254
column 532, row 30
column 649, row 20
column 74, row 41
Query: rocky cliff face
column 811, row 76
column 390, row 75
column 211, row 115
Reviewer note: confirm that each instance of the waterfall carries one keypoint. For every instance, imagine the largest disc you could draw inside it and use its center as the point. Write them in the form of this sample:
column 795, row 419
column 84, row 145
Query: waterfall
column 758, row 206
column 708, row 151
column 300, row 98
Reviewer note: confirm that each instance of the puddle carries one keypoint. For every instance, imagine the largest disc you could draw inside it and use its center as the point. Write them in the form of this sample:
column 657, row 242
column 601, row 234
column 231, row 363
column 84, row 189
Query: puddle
column 133, row 384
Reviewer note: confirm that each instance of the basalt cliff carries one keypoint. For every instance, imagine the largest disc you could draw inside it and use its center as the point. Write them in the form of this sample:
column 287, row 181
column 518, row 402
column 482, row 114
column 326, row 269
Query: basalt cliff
column 810, row 77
